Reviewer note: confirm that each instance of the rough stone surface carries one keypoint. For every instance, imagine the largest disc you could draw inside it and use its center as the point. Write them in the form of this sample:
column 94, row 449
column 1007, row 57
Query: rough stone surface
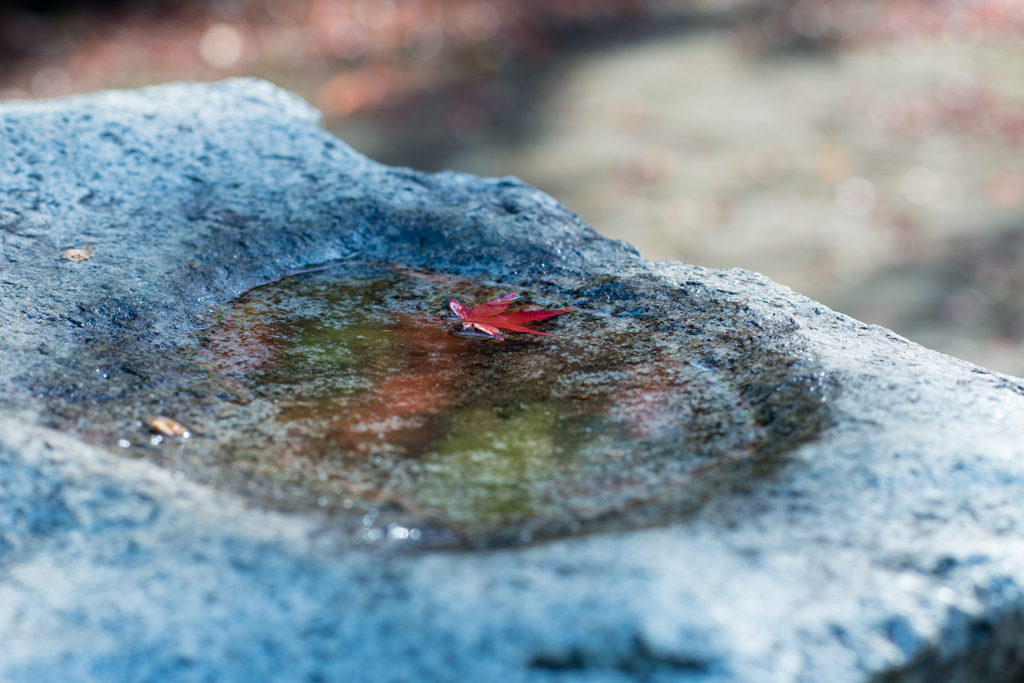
column 887, row 546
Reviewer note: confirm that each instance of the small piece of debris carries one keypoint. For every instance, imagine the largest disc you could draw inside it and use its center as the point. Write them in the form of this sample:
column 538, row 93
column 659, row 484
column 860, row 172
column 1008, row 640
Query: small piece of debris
column 167, row 426
column 77, row 254
column 382, row 364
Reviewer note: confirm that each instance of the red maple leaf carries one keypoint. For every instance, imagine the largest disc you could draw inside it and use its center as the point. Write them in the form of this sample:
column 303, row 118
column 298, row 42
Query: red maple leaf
column 490, row 318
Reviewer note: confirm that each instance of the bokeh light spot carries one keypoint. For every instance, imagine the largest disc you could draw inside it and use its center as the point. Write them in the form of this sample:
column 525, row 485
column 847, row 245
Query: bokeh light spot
column 222, row 46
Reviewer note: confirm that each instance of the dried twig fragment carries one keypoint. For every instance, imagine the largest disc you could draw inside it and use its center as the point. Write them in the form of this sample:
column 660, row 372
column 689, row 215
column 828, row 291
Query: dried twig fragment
column 167, row 426
column 77, row 254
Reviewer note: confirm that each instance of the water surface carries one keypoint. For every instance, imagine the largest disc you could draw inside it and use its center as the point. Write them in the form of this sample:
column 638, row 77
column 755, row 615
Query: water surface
column 470, row 438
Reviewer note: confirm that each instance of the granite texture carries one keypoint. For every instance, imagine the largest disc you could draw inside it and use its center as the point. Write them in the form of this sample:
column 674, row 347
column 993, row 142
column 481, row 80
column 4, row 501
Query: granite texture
column 885, row 543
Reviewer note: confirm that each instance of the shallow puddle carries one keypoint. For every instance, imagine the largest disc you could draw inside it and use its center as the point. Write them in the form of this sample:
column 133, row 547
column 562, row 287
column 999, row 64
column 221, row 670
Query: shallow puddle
column 425, row 433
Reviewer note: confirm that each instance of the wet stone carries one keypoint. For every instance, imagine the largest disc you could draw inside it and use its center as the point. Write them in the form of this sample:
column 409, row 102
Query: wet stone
column 491, row 440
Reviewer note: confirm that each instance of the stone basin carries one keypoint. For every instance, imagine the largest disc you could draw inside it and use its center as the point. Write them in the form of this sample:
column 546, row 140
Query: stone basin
column 769, row 490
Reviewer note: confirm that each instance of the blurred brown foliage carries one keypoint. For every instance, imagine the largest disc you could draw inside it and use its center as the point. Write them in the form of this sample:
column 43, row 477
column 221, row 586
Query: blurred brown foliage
column 361, row 51
column 348, row 56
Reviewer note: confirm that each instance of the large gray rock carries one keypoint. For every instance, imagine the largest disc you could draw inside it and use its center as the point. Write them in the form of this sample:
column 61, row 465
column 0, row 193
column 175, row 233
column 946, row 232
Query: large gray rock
column 883, row 542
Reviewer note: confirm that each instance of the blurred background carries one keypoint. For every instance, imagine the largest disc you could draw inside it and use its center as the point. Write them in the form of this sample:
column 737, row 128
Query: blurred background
column 866, row 153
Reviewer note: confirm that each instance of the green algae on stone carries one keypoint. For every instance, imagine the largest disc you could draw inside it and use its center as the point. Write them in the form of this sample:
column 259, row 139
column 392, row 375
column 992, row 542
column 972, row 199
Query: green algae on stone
column 496, row 460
